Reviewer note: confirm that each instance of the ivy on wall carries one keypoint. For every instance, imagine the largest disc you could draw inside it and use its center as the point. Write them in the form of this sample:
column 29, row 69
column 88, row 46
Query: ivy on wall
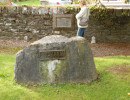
column 109, row 17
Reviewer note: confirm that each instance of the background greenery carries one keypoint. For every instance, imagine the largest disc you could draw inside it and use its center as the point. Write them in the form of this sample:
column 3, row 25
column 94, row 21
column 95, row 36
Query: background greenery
column 108, row 86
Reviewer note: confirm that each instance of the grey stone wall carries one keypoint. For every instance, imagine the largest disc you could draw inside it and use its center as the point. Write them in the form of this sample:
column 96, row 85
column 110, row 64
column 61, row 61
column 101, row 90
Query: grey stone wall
column 113, row 29
column 36, row 22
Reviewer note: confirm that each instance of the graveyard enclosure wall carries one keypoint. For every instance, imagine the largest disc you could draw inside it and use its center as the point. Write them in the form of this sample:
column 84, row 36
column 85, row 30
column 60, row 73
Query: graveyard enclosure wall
column 37, row 22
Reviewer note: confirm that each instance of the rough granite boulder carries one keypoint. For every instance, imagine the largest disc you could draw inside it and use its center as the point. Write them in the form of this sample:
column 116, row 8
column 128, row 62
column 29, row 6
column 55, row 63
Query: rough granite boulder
column 78, row 65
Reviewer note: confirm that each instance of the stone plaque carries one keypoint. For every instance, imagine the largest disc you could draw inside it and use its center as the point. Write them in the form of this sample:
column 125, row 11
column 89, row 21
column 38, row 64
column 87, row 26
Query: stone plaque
column 63, row 22
column 52, row 54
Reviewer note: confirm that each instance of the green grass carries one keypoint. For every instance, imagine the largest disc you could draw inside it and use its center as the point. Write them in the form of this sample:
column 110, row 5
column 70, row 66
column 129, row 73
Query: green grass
column 29, row 2
column 109, row 86
column 3, row 4
column 10, row 50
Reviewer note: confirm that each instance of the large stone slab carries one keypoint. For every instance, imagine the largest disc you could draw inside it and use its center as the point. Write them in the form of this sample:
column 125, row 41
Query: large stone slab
column 77, row 65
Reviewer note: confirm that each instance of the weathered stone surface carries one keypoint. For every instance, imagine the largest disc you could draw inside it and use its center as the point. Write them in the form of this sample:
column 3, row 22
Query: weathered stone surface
column 78, row 65
column 55, row 10
column 61, row 10
column 43, row 11
column 26, row 65
column 24, row 10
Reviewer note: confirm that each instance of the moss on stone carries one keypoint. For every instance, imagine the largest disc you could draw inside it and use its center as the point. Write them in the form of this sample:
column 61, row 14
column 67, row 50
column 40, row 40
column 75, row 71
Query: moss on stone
column 44, row 70
column 59, row 69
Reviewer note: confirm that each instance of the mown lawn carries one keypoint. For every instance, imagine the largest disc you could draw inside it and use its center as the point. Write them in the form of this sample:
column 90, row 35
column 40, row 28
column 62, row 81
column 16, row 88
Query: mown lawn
column 109, row 85
column 29, row 2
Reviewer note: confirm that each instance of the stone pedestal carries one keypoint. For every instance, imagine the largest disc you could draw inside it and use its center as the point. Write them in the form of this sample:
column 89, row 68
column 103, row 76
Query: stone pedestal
column 55, row 59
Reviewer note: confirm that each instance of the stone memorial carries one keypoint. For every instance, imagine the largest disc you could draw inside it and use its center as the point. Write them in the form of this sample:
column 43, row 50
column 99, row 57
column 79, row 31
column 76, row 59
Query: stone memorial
column 54, row 59
column 63, row 22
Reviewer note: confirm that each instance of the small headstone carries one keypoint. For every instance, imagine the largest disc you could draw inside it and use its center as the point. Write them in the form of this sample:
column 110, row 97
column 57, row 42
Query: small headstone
column 93, row 39
column 25, row 38
column 55, row 58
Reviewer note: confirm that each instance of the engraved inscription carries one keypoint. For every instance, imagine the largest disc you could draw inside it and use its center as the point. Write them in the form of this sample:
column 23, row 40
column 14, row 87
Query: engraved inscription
column 63, row 22
column 52, row 54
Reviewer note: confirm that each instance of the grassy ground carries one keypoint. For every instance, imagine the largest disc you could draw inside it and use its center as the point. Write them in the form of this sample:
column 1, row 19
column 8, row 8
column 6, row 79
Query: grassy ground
column 109, row 85
column 29, row 2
